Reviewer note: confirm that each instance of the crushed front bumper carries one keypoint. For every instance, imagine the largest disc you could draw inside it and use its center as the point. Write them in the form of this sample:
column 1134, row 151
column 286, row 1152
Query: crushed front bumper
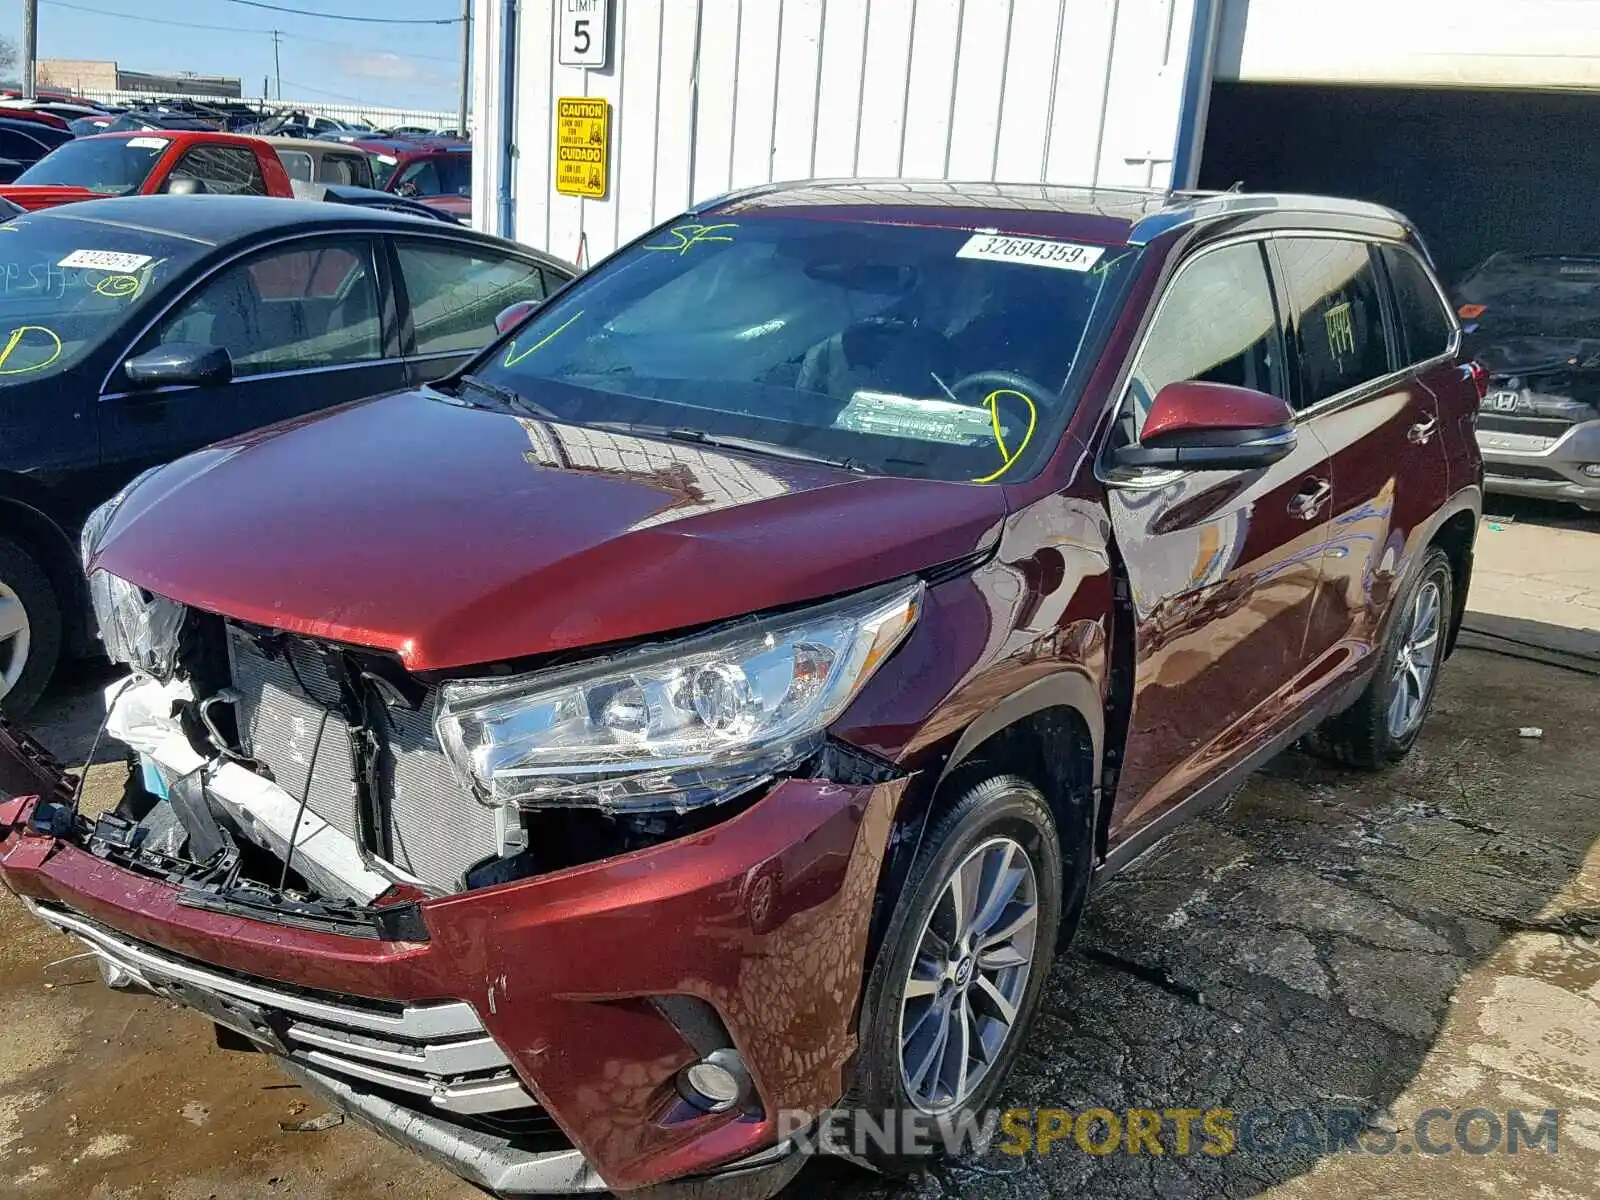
column 535, row 1001
column 1546, row 467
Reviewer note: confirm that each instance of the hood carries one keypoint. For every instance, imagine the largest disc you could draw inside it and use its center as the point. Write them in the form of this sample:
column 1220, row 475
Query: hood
column 455, row 536
column 36, row 196
column 1536, row 355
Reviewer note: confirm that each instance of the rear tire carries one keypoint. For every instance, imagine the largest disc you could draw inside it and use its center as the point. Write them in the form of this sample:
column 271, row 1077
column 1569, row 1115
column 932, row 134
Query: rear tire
column 30, row 630
column 1381, row 727
column 978, row 978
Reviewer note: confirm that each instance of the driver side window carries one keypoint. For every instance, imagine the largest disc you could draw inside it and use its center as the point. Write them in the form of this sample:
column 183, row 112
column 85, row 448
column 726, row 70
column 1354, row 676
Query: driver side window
column 1218, row 323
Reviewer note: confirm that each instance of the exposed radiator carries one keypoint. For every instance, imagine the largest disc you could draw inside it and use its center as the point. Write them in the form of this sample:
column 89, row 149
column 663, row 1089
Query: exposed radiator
column 435, row 829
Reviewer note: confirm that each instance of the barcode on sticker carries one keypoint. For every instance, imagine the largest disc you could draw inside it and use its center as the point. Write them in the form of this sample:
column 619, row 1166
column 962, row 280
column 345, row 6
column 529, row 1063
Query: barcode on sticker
column 1035, row 252
column 147, row 143
column 104, row 260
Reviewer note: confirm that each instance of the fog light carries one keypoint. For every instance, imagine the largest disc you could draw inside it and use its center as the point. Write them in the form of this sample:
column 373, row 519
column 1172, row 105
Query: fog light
column 716, row 1083
column 1592, row 470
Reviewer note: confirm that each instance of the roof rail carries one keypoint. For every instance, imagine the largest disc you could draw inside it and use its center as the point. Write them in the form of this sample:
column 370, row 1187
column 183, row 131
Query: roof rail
column 1192, row 207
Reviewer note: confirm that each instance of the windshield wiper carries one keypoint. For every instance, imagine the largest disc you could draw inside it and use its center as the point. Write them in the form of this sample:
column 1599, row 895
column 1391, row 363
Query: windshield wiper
column 700, row 437
column 515, row 401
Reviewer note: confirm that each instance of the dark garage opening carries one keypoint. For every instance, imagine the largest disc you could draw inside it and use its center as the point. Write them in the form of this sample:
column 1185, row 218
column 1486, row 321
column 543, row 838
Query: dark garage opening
column 1477, row 170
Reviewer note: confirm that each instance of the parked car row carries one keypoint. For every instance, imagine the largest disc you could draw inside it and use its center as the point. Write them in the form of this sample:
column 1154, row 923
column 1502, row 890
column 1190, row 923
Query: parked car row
column 716, row 695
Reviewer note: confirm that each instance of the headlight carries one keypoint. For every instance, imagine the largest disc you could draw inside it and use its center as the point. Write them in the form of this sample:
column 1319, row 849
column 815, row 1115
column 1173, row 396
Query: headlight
column 676, row 726
column 139, row 629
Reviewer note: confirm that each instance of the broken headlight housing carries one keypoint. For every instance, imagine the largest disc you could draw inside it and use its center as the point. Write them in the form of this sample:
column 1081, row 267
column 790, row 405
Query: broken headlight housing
column 677, row 726
column 139, row 630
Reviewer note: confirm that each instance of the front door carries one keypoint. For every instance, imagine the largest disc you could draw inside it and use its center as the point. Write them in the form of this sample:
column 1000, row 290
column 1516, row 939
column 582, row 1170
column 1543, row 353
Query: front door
column 306, row 326
column 1380, row 423
column 1224, row 565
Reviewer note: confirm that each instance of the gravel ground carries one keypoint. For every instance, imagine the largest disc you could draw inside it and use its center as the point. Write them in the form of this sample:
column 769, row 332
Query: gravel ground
column 1325, row 940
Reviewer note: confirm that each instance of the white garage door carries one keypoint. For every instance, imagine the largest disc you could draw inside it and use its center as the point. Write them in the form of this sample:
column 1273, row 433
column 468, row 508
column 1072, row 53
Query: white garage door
column 1445, row 43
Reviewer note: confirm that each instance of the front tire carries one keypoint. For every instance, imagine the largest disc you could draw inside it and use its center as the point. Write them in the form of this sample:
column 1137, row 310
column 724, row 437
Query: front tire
column 1382, row 726
column 964, row 962
column 30, row 630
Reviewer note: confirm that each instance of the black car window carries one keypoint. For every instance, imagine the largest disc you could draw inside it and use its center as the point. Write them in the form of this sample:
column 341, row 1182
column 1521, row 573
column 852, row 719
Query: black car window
column 285, row 310
column 229, row 170
column 1339, row 332
column 20, row 147
column 1423, row 319
column 1218, row 324
column 456, row 293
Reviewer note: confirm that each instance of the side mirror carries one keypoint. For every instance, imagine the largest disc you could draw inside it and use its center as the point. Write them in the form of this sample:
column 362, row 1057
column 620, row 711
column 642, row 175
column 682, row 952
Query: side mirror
column 184, row 185
column 176, row 364
column 513, row 315
column 1211, row 427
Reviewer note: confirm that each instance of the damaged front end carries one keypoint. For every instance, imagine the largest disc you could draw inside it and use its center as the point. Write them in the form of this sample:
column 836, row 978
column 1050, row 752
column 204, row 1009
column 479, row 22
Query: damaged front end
column 427, row 896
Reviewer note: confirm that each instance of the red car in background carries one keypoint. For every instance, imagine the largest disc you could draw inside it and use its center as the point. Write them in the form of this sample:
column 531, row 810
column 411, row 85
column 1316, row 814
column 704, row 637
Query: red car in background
column 145, row 163
column 436, row 171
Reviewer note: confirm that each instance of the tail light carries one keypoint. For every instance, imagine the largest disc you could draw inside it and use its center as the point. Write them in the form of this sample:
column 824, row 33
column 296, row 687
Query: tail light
column 1480, row 378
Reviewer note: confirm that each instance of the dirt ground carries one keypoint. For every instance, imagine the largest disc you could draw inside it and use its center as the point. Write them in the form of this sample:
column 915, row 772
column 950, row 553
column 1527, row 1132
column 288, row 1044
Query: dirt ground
column 1398, row 941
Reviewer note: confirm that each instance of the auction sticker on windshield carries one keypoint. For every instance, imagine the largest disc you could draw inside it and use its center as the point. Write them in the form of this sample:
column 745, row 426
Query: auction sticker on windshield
column 104, row 260
column 148, row 143
column 1036, row 252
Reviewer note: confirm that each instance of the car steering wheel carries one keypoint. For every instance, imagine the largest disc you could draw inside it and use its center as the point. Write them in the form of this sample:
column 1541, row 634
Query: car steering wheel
column 1020, row 390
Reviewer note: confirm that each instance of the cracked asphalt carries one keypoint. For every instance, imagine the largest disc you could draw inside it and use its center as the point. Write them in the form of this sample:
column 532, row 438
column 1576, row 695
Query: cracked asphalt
column 1382, row 944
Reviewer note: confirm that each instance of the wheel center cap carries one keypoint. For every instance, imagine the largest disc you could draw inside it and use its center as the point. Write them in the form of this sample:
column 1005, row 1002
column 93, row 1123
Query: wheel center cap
column 964, row 971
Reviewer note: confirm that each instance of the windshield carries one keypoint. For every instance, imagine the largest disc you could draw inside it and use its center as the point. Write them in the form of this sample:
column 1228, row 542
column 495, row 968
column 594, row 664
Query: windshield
column 67, row 284
column 383, row 166
column 929, row 352
column 112, row 166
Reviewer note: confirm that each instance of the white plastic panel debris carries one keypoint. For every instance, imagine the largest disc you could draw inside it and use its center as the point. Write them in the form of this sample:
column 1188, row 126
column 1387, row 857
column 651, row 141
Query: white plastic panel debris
column 713, row 95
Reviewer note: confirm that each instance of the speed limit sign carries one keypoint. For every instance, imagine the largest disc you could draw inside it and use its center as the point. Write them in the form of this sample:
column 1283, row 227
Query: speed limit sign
column 582, row 37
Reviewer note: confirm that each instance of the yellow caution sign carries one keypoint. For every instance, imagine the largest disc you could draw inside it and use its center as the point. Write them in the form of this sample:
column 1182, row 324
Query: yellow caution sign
column 583, row 146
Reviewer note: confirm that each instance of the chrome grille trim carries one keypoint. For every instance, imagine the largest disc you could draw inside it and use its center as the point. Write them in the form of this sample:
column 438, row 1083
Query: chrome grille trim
column 466, row 1097
column 432, row 1058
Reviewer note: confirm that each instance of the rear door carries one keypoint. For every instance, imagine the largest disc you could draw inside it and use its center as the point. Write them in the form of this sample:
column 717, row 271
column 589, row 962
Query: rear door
column 1224, row 565
column 1369, row 406
column 308, row 324
column 450, row 294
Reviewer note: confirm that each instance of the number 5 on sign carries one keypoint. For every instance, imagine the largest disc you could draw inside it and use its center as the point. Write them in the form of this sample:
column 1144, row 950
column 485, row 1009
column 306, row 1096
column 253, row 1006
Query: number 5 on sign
column 583, row 32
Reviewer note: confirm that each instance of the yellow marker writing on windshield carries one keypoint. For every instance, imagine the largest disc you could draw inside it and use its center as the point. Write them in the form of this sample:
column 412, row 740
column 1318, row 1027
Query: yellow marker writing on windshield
column 992, row 403
column 115, row 287
column 513, row 357
column 693, row 235
column 15, row 340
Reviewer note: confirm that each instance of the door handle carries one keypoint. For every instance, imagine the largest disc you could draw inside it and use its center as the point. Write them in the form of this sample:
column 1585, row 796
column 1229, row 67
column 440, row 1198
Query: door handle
column 1422, row 432
column 1309, row 501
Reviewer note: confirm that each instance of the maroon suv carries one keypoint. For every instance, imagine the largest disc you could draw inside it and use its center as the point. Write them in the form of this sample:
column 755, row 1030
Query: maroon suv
column 717, row 702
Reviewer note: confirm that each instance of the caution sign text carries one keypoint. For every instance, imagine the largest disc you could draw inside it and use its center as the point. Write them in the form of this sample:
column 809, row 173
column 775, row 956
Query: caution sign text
column 583, row 130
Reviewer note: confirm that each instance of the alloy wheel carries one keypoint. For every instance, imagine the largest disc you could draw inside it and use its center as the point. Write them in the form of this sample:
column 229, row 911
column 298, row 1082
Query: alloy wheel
column 1417, row 660
column 969, row 975
column 14, row 638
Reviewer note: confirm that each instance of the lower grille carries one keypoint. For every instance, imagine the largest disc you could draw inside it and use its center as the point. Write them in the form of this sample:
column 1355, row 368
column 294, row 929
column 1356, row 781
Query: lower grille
column 1550, row 427
column 439, row 1052
column 431, row 826
column 1507, row 470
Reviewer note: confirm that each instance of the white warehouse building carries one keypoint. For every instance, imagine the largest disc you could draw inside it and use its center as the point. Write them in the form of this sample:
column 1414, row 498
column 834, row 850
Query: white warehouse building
column 1474, row 116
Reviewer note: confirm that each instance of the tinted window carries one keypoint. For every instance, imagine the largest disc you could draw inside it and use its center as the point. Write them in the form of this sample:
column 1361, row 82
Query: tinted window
column 112, row 166
column 19, row 146
column 287, row 310
column 445, row 175
column 455, row 295
column 1423, row 319
column 909, row 350
column 1340, row 334
column 229, row 170
column 1217, row 324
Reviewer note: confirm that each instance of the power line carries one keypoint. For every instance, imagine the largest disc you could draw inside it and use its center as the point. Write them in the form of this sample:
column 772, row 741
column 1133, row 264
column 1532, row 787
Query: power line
column 307, row 12
column 299, row 37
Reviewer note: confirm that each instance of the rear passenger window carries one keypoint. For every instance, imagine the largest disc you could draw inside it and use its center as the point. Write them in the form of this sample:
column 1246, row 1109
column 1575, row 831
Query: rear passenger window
column 1217, row 323
column 1423, row 319
column 1340, row 334
column 229, row 170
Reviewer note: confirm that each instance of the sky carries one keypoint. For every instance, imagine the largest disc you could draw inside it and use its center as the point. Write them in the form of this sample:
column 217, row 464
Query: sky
column 406, row 66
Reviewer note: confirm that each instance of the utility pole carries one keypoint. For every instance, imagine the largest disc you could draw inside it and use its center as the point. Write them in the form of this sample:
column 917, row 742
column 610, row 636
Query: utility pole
column 277, row 69
column 466, row 65
column 30, row 48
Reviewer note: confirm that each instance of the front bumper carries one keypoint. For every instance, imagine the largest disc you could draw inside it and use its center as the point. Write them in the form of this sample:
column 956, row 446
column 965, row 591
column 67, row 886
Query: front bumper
column 1544, row 467
column 543, row 986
